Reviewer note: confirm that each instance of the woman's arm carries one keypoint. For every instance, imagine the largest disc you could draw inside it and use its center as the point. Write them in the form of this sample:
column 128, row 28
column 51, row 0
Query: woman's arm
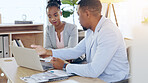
column 73, row 40
column 48, row 44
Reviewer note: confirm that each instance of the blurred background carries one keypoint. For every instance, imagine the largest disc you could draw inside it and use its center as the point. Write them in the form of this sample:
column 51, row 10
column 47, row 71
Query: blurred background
column 128, row 12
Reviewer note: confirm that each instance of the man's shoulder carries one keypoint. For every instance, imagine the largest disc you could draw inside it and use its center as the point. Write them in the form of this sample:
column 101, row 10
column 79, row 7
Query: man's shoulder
column 107, row 22
column 108, row 27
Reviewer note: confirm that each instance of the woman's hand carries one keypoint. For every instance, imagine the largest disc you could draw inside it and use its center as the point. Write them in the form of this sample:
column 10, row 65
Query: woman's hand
column 42, row 51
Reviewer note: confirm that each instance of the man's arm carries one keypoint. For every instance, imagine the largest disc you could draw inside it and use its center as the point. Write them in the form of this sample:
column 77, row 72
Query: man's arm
column 107, row 46
column 42, row 51
column 70, row 53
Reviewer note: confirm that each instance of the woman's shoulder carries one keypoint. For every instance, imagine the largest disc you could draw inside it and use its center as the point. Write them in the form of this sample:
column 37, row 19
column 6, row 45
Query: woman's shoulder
column 70, row 26
column 49, row 27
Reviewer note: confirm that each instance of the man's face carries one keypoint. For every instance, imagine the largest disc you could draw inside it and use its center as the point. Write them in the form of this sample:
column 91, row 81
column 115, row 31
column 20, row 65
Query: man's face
column 84, row 21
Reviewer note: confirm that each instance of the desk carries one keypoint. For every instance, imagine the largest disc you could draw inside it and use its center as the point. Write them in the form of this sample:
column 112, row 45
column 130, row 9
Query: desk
column 13, row 72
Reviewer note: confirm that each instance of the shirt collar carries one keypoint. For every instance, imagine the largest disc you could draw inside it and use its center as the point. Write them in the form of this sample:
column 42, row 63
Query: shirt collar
column 99, row 25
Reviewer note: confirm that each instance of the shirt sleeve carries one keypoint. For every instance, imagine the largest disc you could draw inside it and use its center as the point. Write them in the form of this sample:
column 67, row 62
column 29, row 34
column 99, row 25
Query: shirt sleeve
column 70, row 53
column 107, row 45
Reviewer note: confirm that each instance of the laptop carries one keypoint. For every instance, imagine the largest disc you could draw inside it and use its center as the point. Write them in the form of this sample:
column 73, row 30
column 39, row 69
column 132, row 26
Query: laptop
column 29, row 58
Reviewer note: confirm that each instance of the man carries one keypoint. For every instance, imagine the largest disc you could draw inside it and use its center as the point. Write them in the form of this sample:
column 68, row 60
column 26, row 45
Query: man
column 104, row 47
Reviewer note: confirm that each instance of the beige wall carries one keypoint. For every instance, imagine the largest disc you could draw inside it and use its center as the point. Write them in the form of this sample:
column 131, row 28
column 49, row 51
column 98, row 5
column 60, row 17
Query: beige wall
column 139, row 54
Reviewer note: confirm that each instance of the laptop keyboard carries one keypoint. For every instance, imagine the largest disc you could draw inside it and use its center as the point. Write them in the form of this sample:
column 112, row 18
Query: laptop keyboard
column 46, row 67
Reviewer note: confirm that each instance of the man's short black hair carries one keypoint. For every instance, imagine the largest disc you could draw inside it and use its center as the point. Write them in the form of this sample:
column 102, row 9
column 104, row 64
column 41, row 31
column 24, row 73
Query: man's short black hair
column 91, row 5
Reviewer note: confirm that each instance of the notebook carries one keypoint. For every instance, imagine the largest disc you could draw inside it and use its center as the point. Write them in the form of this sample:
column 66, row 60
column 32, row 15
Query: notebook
column 28, row 58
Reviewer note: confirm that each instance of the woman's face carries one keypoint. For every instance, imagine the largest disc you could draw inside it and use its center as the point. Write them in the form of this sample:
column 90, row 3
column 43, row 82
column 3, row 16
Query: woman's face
column 54, row 15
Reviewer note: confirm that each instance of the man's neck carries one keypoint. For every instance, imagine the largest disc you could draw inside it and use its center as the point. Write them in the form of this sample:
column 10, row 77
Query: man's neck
column 95, row 22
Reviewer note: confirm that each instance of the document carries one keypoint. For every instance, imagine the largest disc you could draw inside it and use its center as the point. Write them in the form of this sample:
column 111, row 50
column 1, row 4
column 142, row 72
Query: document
column 17, row 43
column 21, row 44
column 48, row 59
column 1, row 46
column 51, row 75
column 6, row 46
column 14, row 43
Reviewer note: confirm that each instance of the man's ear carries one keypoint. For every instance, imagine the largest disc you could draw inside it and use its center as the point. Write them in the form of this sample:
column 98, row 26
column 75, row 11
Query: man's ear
column 87, row 13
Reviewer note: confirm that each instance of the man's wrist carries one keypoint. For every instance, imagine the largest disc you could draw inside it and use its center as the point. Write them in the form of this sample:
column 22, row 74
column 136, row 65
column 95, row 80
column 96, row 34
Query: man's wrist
column 64, row 66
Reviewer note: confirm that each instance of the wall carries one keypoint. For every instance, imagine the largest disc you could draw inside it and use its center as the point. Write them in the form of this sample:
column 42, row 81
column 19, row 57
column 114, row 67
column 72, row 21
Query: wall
column 12, row 10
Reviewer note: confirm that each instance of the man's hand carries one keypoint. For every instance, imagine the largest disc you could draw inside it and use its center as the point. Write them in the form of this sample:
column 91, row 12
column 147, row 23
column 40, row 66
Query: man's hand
column 42, row 51
column 57, row 63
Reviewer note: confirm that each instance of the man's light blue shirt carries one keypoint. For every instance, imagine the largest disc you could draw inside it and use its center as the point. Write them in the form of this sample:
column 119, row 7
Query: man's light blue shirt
column 105, row 54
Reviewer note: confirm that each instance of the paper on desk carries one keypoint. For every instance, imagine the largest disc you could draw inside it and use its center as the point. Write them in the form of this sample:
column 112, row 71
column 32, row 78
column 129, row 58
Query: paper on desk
column 48, row 59
column 69, row 81
column 59, row 73
column 44, row 77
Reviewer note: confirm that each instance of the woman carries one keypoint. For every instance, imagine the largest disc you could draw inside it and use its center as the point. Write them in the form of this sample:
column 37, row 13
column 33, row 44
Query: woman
column 59, row 34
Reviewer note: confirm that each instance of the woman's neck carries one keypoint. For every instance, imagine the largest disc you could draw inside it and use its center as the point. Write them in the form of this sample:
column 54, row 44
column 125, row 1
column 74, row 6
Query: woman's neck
column 60, row 27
